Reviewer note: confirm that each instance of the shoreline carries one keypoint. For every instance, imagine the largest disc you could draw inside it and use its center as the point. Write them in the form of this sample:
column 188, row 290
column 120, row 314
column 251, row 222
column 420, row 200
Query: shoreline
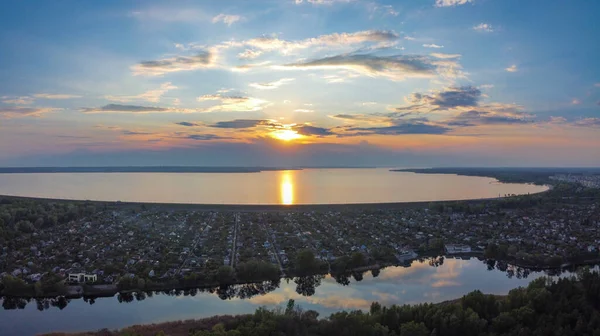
column 108, row 291
column 274, row 207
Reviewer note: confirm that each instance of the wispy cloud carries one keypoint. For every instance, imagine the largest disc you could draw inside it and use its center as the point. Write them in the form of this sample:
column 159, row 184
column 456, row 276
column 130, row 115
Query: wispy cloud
column 433, row 45
column 451, row 3
column 234, row 103
column 250, row 54
column 17, row 100
column 159, row 67
column 484, row 27
column 118, row 108
column 304, row 110
column 512, row 68
column 227, row 19
column 188, row 124
column 396, row 67
column 271, row 85
column 18, row 111
column 153, row 96
column 55, row 96
column 335, row 40
column 321, row 2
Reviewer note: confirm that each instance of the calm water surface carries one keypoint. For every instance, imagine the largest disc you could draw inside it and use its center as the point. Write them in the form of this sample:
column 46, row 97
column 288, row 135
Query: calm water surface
column 394, row 285
column 310, row 186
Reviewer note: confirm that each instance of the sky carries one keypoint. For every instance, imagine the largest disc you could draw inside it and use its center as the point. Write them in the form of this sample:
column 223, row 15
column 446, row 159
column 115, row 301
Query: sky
column 282, row 83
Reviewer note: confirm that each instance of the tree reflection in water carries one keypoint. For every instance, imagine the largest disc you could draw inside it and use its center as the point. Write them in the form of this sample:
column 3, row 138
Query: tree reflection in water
column 305, row 286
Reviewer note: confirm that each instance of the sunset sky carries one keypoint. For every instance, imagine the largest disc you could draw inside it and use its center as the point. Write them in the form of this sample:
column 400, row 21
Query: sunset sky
column 300, row 83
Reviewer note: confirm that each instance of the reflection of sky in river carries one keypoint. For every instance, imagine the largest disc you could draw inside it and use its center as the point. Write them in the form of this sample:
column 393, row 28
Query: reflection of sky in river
column 395, row 285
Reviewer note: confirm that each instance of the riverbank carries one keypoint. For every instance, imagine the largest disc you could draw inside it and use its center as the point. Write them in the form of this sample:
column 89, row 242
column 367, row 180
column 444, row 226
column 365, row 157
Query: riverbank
column 110, row 290
column 543, row 306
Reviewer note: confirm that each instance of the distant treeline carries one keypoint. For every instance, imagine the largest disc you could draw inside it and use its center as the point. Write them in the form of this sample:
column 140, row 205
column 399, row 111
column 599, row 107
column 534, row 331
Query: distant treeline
column 539, row 176
column 545, row 307
column 139, row 169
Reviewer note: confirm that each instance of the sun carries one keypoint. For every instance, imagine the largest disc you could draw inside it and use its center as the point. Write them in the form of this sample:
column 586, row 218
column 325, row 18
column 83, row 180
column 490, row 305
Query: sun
column 286, row 135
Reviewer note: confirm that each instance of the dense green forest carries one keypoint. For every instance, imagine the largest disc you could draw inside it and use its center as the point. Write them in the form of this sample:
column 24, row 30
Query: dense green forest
column 567, row 306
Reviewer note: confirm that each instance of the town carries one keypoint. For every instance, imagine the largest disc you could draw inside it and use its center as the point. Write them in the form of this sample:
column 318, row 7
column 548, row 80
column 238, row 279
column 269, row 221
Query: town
column 110, row 245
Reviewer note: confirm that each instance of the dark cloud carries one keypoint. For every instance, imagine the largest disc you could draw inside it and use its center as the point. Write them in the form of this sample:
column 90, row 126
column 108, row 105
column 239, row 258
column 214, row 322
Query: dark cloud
column 404, row 128
column 239, row 123
column 179, row 63
column 136, row 133
column 451, row 97
column 396, row 67
column 312, row 130
column 124, row 109
column 205, row 137
column 473, row 118
column 188, row 124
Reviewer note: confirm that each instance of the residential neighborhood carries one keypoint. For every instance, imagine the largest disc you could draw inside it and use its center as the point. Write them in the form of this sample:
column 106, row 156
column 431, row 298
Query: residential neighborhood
column 159, row 244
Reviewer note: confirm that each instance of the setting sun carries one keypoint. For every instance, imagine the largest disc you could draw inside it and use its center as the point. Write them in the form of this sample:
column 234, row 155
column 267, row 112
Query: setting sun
column 286, row 135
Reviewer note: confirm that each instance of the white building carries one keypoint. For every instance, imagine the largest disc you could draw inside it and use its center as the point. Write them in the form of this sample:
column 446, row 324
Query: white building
column 456, row 249
column 82, row 277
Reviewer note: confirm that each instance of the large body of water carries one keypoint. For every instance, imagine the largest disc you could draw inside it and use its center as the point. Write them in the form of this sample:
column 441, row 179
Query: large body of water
column 309, row 186
column 419, row 283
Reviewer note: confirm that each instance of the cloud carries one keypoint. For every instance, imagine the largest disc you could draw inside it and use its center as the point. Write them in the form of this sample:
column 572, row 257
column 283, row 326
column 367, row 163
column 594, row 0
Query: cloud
column 118, row 108
column 395, row 67
column 271, row 85
column 19, row 100
column 151, row 95
column 588, row 122
column 203, row 60
column 575, row 101
column 206, row 137
column 226, row 19
column 18, row 111
column 55, row 96
column 404, row 127
column 451, row 3
column 240, row 123
column 445, row 56
column 484, row 27
column 477, row 117
column 312, row 130
column 321, row 2
column 273, row 43
column 304, row 110
column 448, row 98
column 250, row 66
column 512, row 68
column 234, row 103
column 444, row 283
column 250, row 54
column 433, row 45
column 188, row 124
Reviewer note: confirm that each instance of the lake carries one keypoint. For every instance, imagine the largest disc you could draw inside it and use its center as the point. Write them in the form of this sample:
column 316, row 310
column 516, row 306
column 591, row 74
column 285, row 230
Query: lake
column 421, row 282
column 308, row 186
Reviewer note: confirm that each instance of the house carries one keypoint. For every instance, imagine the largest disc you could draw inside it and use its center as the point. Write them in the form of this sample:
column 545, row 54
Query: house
column 82, row 277
column 456, row 248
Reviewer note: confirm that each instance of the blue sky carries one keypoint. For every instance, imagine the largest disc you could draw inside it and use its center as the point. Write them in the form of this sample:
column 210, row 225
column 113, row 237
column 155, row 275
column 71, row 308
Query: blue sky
column 289, row 82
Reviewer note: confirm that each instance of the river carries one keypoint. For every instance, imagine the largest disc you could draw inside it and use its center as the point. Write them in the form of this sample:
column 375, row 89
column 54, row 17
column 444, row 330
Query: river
column 433, row 280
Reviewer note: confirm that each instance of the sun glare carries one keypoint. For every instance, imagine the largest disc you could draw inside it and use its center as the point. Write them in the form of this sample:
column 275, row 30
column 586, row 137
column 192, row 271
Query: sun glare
column 287, row 188
column 286, row 135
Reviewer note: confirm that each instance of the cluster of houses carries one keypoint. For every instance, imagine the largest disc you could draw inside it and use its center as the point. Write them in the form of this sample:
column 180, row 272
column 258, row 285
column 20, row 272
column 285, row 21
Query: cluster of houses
column 161, row 244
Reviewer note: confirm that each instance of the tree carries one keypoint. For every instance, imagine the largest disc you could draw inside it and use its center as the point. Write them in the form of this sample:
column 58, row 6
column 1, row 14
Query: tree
column 306, row 263
column 414, row 329
column 225, row 275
